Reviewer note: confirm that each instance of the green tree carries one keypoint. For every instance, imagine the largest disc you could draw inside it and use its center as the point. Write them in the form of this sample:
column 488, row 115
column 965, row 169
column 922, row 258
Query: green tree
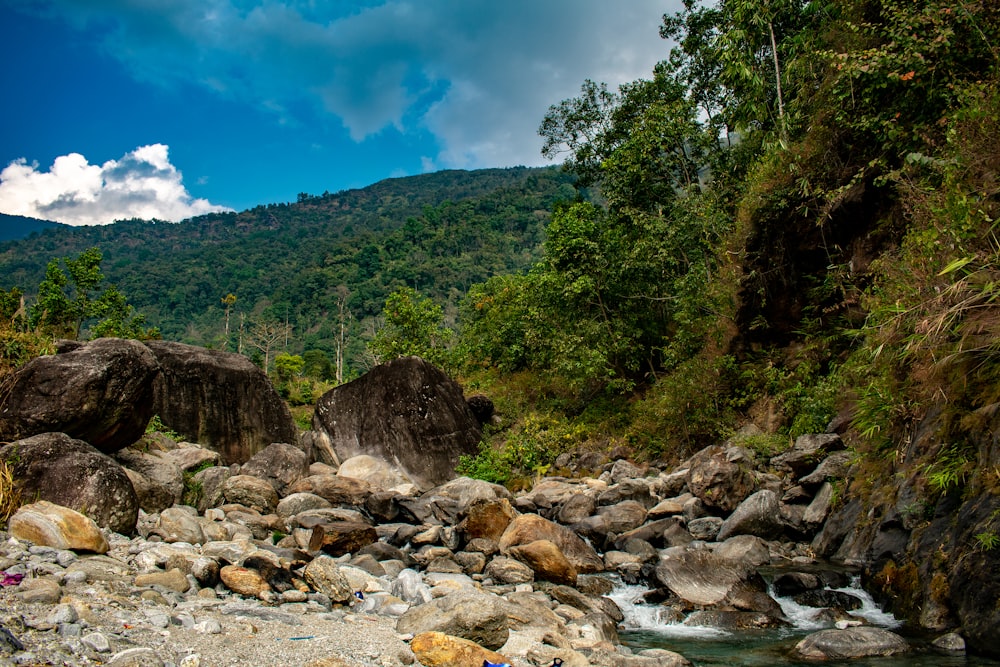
column 414, row 325
column 288, row 366
column 67, row 299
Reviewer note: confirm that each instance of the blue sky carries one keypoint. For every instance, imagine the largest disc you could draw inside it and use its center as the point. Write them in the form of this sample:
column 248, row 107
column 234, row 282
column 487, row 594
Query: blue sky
column 171, row 108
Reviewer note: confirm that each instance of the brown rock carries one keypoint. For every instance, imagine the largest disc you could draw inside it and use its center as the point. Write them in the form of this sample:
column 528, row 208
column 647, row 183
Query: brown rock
column 528, row 528
column 335, row 489
column 173, row 580
column 436, row 649
column 547, row 561
column 47, row 524
column 718, row 481
column 340, row 537
column 250, row 492
column 243, row 580
column 487, row 519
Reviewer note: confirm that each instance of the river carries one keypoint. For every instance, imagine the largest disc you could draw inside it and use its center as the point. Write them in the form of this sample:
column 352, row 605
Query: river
column 712, row 647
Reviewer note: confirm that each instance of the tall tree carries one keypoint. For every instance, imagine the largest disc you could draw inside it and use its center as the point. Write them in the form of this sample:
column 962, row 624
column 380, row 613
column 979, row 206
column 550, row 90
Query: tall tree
column 265, row 336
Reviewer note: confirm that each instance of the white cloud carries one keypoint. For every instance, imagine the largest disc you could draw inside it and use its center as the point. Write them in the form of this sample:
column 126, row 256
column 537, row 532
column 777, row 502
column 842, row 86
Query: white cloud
column 141, row 184
column 478, row 75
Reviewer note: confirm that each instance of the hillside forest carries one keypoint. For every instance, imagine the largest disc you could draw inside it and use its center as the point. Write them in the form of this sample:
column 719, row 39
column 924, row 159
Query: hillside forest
column 790, row 221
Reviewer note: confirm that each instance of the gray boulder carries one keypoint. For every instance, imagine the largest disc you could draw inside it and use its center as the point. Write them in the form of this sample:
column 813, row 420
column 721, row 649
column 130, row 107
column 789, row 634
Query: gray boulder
column 71, row 473
column 279, row 464
column 720, row 477
column 220, row 400
column 406, row 412
column 757, row 515
column 469, row 614
column 100, row 392
column 859, row 642
column 701, row 578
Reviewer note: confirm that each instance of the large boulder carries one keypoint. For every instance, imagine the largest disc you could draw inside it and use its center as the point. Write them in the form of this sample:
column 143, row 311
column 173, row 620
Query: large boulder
column 701, row 578
column 157, row 480
column 406, row 412
column 851, row 643
column 757, row 515
column 71, row 473
column 478, row 617
column 100, row 392
column 720, row 477
column 220, row 400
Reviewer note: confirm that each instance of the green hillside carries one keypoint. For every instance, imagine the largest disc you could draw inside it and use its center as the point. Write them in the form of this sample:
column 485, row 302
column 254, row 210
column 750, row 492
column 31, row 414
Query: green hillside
column 14, row 227
column 439, row 233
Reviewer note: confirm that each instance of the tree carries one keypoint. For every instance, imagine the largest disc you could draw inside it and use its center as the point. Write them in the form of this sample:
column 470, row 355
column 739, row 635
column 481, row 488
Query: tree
column 228, row 302
column 414, row 325
column 65, row 302
column 288, row 366
column 264, row 336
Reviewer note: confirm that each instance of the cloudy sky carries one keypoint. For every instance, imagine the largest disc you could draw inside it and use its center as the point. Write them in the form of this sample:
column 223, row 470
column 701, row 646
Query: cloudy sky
column 173, row 108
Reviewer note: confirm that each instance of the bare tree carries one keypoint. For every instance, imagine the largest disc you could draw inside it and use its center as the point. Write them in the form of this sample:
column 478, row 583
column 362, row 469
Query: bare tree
column 265, row 336
column 342, row 294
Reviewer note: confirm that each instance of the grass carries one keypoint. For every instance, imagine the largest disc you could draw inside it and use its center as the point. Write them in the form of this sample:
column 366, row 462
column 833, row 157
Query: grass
column 10, row 494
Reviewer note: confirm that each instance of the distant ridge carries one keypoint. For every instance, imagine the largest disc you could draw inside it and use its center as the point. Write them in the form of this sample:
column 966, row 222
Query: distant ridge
column 14, row 227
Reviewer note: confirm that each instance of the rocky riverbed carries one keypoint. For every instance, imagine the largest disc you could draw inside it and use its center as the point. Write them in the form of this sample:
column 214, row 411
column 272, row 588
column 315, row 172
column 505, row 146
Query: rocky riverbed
column 300, row 563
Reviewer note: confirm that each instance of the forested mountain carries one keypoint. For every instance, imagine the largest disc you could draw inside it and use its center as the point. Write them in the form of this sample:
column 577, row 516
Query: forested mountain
column 438, row 233
column 14, row 227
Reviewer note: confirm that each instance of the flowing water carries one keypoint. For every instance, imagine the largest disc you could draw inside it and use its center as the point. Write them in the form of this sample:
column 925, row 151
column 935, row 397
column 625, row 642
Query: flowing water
column 644, row 627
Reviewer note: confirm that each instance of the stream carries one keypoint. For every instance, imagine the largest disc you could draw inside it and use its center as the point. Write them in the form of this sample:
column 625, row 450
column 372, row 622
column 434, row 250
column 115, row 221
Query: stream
column 711, row 647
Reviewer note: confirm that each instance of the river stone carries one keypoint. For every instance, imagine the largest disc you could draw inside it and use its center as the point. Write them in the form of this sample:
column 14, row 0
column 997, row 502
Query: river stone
column 437, row 649
column 173, row 580
column 189, row 457
column 467, row 613
column 335, row 489
column 136, row 657
column 487, row 519
column 547, row 561
column 624, row 516
column 531, row 527
column 297, row 503
column 726, row 619
column 706, row 528
column 746, row 548
column 324, row 575
column 698, row 576
column 46, row 524
column 508, row 571
column 157, row 480
column 243, row 580
column 278, row 464
column 449, row 502
column 718, row 479
column 757, row 515
column 250, row 492
column 576, row 508
column 828, row 598
column 819, row 508
column 337, row 538
column 178, row 525
column 859, row 642
column 208, row 485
